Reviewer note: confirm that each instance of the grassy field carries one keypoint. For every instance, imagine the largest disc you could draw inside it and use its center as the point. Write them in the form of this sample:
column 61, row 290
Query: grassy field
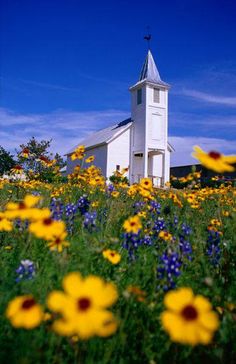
column 144, row 243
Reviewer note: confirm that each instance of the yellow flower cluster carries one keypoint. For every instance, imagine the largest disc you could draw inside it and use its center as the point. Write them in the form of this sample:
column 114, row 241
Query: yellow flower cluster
column 41, row 224
column 78, row 153
column 82, row 307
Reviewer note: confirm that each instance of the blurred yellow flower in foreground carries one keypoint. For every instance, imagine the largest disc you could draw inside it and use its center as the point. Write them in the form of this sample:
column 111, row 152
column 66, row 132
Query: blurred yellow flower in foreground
column 214, row 160
column 47, row 228
column 189, row 319
column 24, row 311
column 83, row 307
column 5, row 224
column 23, row 209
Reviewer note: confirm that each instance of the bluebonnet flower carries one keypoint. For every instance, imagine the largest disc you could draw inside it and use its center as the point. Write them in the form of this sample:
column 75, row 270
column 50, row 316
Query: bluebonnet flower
column 213, row 249
column 70, row 211
column 110, row 188
column 185, row 247
column 159, row 225
column 83, row 204
column 56, row 208
column 147, row 240
column 131, row 242
column 176, row 220
column 36, row 193
column 168, row 269
column 26, row 270
column 186, row 229
column 138, row 206
column 155, row 207
column 184, row 243
column 90, row 220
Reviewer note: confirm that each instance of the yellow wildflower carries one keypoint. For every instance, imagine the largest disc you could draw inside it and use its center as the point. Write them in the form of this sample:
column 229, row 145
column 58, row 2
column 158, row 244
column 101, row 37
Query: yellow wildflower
column 83, row 307
column 5, row 224
column 146, row 183
column 22, row 210
column 115, row 194
column 90, row 159
column 132, row 224
column 112, row 256
column 189, row 319
column 24, row 311
column 78, row 153
column 165, row 235
column 58, row 242
column 214, row 160
column 47, row 228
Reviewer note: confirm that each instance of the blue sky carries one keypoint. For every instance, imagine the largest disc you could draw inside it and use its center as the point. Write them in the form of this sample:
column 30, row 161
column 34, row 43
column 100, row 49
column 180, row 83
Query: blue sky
column 66, row 67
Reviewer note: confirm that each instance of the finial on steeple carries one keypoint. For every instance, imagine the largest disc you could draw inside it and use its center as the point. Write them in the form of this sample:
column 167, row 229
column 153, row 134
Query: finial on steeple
column 148, row 37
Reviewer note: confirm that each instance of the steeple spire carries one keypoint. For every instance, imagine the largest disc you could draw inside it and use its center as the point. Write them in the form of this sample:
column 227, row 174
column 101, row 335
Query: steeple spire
column 150, row 72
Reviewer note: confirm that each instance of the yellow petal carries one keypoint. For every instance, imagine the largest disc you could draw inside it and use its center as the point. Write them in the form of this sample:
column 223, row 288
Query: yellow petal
column 209, row 320
column 72, row 284
column 202, row 304
column 56, row 301
column 31, row 200
column 103, row 294
column 176, row 300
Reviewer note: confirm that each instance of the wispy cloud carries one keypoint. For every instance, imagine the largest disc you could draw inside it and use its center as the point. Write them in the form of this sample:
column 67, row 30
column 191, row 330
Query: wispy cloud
column 50, row 86
column 210, row 98
column 68, row 128
column 65, row 128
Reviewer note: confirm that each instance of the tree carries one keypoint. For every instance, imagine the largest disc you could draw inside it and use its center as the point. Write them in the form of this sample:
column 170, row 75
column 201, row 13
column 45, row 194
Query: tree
column 35, row 149
column 37, row 160
column 6, row 161
column 60, row 161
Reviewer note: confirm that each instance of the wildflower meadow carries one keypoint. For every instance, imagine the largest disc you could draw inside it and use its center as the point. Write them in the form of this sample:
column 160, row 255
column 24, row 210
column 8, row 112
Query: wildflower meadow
column 94, row 271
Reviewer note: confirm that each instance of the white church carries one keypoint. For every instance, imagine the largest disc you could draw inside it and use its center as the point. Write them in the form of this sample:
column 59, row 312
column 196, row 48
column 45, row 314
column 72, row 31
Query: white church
column 140, row 142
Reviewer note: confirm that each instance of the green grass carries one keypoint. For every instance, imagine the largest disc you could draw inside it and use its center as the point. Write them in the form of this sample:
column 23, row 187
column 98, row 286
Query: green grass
column 140, row 337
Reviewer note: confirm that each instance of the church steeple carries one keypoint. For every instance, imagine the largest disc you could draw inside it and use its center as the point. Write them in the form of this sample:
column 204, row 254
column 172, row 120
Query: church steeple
column 150, row 72
column 149, row 154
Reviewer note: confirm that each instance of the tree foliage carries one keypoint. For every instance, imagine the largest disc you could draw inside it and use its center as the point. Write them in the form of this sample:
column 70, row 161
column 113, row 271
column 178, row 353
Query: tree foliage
column 6, row 161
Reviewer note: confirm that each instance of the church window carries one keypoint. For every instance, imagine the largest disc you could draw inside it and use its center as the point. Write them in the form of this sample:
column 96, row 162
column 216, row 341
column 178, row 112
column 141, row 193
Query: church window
column 156, row 95
column 139, row 96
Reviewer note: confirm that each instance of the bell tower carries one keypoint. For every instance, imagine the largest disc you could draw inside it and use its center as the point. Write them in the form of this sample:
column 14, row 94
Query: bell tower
column 149, row 149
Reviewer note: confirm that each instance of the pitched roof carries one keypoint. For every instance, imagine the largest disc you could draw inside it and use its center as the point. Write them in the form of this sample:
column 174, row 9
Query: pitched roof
column 104, row 136
column 150, row 72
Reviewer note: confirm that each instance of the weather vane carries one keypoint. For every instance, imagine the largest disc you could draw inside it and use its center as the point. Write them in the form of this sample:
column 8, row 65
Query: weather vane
column 148, row 37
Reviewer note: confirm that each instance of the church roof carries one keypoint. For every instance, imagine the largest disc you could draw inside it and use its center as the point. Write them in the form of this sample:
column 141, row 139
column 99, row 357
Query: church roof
column 150, row 72
column 104, row 136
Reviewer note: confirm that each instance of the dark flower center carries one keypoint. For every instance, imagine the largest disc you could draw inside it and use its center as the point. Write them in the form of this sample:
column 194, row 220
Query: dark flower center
column 189, row 313
column 132, row 224
column 28, row 303
column 83, row 304
column 18, row 167
column 57, row 241
column 112, row 254
column 47, row 221
column 214, row 155
column 21, row 205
